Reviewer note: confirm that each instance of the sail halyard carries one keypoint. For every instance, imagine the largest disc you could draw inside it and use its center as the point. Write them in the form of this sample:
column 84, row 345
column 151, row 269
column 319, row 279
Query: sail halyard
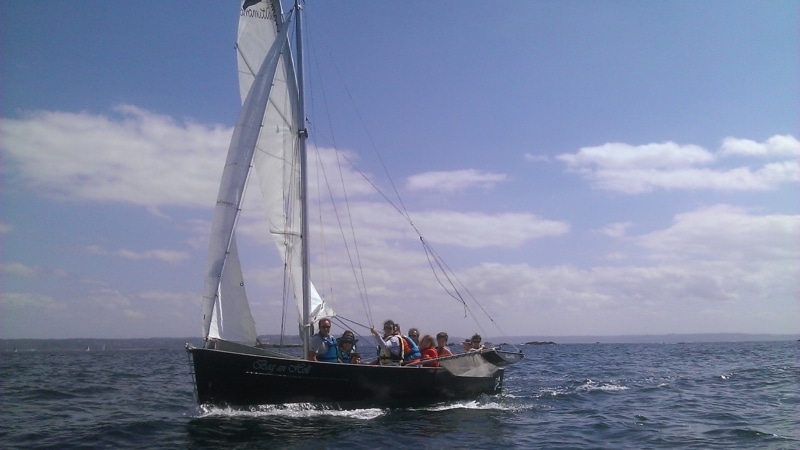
column 234, row 179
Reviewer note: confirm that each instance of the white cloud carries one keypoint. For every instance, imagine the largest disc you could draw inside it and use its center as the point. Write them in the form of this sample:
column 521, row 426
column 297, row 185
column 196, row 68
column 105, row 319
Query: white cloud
column 640, row 169
column 729, row 233
column 13, row 302
column 616, row 230
column 137, row 157
column 781, row 145
column 477, row 230
column 716, row 269
column 620, row 156
column 453, row 181
column 18, row 269
column 169, row 256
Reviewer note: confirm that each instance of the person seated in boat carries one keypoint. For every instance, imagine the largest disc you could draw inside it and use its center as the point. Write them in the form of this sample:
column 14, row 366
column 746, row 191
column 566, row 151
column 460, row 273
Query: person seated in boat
column 413, row 333
column 323, row 346
column 347, row 347
column 351, row 335
column 441, row 344
column 476, row 343
column 355, row 358
column 390, row 348
column 466, row 345
column 428, row 350
column 411, row 353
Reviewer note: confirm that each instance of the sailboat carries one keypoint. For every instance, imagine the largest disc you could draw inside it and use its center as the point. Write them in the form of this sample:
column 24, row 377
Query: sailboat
column 232, row 367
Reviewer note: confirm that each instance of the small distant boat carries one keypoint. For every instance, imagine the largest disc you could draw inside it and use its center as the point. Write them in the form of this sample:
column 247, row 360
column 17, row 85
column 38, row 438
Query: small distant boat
column 232, row 368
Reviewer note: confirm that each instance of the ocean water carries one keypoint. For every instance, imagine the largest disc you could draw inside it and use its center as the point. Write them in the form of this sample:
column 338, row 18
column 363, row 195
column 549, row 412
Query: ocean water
column 694, row 395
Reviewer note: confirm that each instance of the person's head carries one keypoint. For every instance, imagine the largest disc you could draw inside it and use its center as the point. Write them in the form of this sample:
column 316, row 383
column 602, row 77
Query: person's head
column 388, row 327
column 324, row 327
column 441, row 338
column 355, row 358
column 476, row 340
column 397, row 329
column 426, row 342
column 413, row 333
column 347, row 341
column 466, row 345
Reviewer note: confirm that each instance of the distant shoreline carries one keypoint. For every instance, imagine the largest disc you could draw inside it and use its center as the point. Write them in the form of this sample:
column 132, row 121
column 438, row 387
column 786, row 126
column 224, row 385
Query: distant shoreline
column 103, row 344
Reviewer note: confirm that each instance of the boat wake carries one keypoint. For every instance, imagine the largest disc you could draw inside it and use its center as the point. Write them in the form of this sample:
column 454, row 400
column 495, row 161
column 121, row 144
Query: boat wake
column 482, row 404
column 292, row 410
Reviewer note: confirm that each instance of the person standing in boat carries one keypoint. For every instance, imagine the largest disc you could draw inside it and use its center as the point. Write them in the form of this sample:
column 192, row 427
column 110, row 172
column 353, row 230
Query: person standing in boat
column 323, row 346
column 390, row 348
column 441, row 344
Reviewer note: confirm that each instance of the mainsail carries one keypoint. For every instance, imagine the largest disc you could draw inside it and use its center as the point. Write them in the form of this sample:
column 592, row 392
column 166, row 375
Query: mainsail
column 266, row 136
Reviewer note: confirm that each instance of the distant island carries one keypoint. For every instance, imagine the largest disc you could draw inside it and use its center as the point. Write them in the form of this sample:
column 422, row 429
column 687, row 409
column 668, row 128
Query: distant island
column 540, row 343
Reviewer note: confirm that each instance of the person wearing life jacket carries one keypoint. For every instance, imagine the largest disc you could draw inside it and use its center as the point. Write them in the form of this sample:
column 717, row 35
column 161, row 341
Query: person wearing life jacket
column 323, row 346
column 411, row 351
column 347, row 346
column 476, row 343
column 390, row 347
column 427, row 347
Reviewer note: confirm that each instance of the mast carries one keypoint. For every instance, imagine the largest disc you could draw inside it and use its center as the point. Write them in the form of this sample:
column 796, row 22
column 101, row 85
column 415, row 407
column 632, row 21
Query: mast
column 302, row 136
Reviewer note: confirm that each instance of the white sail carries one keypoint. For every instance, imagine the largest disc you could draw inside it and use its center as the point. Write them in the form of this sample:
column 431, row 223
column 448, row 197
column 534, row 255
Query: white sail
column 222, row 254
column 277, row 157
column 231, row 316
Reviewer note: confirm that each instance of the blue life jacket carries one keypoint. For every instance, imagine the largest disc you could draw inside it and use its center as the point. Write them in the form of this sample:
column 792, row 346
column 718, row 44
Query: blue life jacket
column 332, row 355
column 414, row 352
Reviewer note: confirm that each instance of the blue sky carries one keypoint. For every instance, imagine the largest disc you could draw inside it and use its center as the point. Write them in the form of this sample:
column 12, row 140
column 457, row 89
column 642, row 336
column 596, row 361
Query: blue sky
column 586, row 168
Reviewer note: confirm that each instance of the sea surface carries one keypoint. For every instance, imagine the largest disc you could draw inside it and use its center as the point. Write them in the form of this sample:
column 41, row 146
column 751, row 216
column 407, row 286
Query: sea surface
column 692, row 395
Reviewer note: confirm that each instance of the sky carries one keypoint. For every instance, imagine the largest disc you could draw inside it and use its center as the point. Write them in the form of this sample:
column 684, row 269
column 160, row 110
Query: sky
column 584, row 168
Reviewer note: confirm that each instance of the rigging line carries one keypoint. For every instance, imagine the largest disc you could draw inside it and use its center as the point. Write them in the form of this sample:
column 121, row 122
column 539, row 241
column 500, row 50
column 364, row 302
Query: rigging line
column 353, row 236
column 324, row 246
column 457, row 296
column 468, row 292
column 360, row 280
column 372, row 143
column 447, row 271
column 401, row 209
column 345, row 319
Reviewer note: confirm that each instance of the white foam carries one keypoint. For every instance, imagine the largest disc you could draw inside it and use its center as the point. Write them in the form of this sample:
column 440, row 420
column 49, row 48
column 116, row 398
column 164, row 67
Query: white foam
column 299, row 410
